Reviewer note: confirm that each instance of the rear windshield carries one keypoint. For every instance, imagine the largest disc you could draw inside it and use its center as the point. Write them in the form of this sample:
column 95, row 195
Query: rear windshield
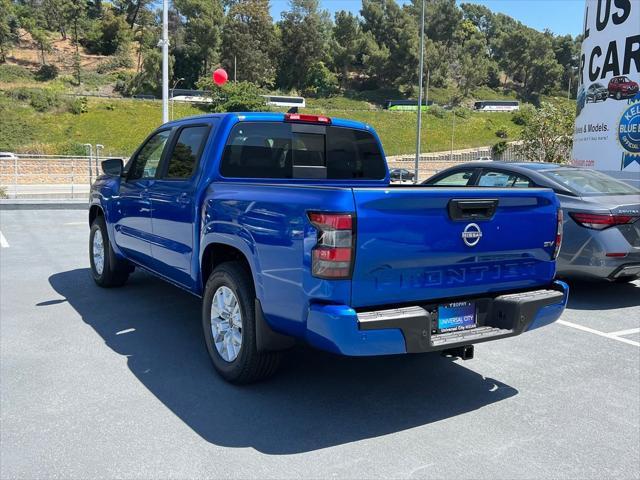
column 285, row 150
column 590, row 182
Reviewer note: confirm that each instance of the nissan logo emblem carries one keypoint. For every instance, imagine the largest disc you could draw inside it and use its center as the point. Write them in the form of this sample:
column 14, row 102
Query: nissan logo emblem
column 471, row 234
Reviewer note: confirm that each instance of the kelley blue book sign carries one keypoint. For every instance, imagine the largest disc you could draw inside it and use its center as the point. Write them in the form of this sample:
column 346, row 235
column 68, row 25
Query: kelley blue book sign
column 607, row 132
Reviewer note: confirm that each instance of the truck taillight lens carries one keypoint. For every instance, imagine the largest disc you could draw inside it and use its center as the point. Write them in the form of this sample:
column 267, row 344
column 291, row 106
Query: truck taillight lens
column 600, row 221
column 559, row 231
column 332, row 257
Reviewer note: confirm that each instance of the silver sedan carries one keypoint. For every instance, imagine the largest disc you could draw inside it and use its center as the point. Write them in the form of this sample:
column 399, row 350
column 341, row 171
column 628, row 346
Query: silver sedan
column 601, row 227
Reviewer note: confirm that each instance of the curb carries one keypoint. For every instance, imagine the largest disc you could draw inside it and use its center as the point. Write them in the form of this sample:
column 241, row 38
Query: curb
column 33, row 204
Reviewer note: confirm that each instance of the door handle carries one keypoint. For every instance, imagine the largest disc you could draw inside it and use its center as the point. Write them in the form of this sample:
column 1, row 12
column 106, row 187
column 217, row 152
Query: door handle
column 183, row 198
column 144, row 194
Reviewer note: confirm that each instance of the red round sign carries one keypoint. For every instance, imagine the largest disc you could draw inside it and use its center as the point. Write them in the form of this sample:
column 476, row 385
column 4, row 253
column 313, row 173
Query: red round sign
column 220, row 77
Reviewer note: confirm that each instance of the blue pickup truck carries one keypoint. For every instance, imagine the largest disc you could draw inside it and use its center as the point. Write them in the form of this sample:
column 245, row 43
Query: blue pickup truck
column 287, row 227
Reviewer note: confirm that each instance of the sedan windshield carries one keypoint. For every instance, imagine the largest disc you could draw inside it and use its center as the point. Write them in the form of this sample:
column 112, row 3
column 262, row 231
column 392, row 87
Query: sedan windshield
column 590, row 182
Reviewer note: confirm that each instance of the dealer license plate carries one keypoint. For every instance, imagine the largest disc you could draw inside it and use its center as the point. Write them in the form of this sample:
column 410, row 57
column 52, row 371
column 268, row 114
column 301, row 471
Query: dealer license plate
column 456, row 316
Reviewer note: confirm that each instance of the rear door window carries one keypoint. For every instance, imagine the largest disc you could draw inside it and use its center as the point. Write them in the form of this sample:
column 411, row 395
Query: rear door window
column 284, row 150
column 500, row 178
column 461, row 178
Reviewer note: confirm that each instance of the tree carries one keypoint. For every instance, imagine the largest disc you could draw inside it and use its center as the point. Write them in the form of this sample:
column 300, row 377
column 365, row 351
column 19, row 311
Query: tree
column 199, row 39
column 347, row 45
column 394, row 29
column 73, row 13
column 41, row 39
column 304, row 36
column 547, row 135
column 249, row 37
column 7, row 33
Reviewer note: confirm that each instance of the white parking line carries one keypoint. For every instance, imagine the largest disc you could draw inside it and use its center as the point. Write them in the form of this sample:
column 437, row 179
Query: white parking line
column 621, row 333
column 75, row 223
column 3, row 241
column 598, row 332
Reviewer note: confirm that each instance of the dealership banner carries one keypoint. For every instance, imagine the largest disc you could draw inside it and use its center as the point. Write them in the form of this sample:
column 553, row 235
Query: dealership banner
column 607, row 130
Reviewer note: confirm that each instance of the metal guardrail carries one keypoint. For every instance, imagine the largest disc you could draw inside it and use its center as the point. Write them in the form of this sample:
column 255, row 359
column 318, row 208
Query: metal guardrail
column 51, row 176
column 70, row 176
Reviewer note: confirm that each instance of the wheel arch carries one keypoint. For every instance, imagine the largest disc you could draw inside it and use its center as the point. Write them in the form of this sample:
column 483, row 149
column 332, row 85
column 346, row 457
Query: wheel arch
column 95, row 211
column 216, row 253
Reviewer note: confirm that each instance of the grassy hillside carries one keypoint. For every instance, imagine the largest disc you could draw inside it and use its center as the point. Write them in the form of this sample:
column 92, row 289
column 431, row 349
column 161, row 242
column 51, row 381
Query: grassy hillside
column 120, row 125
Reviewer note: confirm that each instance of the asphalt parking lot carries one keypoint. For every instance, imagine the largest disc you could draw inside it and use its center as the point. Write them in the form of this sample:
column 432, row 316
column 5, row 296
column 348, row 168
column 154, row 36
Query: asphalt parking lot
column 116, row 383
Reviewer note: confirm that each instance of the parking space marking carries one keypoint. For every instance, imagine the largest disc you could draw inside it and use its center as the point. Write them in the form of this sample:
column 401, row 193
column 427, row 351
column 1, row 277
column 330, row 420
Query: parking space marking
column 3, row 241
column 75, row 223
column 598, row 332
column 621, row 333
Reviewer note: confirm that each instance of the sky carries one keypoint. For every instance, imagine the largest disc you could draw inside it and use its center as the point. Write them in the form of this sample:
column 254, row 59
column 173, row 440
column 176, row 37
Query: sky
column 559, row 16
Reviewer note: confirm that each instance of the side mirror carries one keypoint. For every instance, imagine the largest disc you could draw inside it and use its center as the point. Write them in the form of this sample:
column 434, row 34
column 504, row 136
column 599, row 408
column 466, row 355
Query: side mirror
column 113, row 167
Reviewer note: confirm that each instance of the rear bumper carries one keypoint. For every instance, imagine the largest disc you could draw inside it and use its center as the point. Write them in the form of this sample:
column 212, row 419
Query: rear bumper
column 340, row 329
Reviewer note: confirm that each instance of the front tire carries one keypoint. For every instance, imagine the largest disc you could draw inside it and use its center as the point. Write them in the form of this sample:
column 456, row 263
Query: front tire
column 229, row 326
column 106, row 269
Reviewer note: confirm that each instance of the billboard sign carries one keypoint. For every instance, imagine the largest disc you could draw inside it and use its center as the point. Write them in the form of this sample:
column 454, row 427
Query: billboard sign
column 607, row 129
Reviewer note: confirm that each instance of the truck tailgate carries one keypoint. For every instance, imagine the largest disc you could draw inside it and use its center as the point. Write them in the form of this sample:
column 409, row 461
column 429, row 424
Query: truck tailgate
column 410, row 249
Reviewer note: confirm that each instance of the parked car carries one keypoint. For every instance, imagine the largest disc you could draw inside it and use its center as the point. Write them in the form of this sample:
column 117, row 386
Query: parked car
column 401, row 174
column 287, row 227
column 622, row 87
column 596, row 92
column 601, row 228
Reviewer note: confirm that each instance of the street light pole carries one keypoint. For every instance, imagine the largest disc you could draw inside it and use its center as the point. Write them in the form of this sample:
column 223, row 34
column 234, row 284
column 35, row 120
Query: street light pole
column 420, row 75
column 98, row 148
column 165, row 61
column 90, row 148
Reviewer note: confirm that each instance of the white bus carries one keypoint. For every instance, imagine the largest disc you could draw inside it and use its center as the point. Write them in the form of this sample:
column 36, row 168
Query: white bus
column 497, row 105
column 285, row 101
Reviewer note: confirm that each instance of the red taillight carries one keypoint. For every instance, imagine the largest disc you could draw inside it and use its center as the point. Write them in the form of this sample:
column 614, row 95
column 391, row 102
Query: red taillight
column 304, row 118
column 332, row 257
column 559, row 230
column 600, row 221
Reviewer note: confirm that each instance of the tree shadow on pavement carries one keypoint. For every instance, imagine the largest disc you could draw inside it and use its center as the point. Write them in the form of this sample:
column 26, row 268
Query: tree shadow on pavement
column 317, row 400
column 594, row 295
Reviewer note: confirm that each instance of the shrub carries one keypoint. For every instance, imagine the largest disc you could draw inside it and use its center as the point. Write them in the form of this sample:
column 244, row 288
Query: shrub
column 462, row 112
column 437, row 111
column 498, row 149
column 47, row 72
column 502, row 133
column 14, row 73
column 78, row 105
column 519, row 117
column 233, row 97
column 321, row 81
column 121, row 59
column 40, row 99
column 3, row 193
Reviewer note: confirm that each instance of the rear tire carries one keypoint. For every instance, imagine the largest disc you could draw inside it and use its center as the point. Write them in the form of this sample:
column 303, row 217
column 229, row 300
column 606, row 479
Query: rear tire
column 106, row 269
column 618, row 96
column 230, row 333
